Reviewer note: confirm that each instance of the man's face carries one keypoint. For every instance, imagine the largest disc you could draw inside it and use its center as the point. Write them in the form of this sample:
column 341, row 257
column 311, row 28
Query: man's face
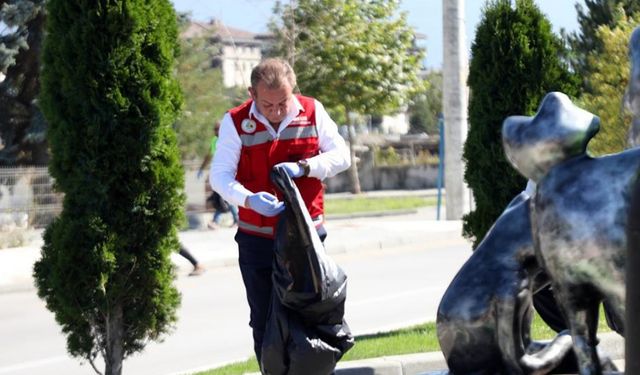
column 274, row 104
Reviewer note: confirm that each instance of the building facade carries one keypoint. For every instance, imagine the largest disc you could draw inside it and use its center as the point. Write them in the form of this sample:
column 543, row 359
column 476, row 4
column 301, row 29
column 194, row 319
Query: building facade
column 240, row 50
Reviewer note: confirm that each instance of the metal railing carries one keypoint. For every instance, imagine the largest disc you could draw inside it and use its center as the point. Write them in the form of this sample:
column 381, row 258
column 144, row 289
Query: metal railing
column 27, row 197
column 28, row 200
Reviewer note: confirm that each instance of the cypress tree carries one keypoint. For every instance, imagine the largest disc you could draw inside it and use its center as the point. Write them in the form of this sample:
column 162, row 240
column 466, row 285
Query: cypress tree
column 110, row 98
column 514, row 63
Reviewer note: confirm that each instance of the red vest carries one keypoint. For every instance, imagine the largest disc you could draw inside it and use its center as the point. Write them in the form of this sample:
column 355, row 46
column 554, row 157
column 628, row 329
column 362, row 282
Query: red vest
column 260, row 152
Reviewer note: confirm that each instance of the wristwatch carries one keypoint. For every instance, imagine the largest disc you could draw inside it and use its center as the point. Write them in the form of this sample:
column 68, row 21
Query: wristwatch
column 304, row 164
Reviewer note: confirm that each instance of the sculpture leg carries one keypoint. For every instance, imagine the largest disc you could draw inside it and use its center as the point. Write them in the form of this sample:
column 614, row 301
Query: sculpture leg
column 583, row 323
column 514, row 325
column 545, row 303
column 614, row 313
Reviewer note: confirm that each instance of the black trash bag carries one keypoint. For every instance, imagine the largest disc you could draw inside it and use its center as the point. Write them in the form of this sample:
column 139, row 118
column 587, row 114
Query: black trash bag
column 306, row 332
column 290, row 347
column 303, row 274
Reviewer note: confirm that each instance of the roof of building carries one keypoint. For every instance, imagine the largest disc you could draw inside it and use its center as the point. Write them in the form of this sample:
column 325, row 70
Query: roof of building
column 226, row 34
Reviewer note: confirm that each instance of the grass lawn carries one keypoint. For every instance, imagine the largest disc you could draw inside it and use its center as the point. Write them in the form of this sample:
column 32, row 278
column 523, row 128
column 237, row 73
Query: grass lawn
column 418, row 339
column 367, row 204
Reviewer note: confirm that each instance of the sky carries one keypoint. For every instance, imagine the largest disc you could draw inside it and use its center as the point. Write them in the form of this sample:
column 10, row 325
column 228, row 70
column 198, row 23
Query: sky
column 424, row 15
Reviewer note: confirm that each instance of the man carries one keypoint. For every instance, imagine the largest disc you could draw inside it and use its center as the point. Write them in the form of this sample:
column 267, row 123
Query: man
column 214, row 224
column 273, row 127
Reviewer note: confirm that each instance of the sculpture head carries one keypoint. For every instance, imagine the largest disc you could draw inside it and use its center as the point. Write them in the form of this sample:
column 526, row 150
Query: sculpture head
column 559, row 131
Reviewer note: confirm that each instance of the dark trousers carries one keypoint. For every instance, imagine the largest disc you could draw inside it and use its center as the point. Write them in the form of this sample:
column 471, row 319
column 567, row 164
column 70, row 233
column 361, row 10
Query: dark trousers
column 185, row 253
column 256, row 262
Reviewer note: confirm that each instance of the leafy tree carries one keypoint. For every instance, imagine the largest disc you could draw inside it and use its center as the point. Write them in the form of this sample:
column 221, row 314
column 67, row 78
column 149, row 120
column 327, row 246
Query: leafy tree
column 111, row 102
column 585, row 41
column 514, row 63
column 237, row 95
column 425, row 107
column 204, row 95
column 22, row 127
column 609, row 77
column 353, row 56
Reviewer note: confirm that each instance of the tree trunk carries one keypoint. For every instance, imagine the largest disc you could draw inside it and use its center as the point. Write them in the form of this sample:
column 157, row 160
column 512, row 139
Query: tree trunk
column 455, row 71
column 353, row 170
column 114, row 350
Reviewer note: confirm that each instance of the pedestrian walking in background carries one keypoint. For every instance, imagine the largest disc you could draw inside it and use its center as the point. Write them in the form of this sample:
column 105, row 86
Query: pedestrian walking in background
column 273, row 127
column 198, row 269
column 214, row 199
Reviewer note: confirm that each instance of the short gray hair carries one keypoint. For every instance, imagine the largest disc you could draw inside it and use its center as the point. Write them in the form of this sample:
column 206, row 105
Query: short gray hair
column 273, row 72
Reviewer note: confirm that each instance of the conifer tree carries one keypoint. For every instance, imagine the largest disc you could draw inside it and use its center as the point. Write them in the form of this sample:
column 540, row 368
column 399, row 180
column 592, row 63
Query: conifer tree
column 514, row 63
column 585, row 41
column 609, row 78
column 22, row 127
column 110, row 98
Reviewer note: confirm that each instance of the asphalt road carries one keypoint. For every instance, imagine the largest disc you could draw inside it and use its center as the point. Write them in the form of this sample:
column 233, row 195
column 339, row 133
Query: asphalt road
column 387, row 289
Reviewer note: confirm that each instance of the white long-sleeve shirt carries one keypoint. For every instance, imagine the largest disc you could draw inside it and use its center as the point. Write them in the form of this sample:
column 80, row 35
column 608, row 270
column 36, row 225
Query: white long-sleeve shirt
column 333, row 158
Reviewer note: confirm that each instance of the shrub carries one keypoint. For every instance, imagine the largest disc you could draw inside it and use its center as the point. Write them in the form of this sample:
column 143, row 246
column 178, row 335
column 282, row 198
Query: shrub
column 110, row 98
column 514, row 63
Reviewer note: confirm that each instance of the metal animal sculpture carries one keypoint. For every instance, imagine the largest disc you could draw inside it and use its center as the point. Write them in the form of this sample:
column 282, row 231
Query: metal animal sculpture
column 484, row 318
column 306, row 332
column 632, row 339
column 579, row 214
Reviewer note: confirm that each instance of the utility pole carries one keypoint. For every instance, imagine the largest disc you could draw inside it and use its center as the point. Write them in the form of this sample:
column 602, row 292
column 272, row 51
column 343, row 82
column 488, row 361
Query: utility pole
column 455, row 72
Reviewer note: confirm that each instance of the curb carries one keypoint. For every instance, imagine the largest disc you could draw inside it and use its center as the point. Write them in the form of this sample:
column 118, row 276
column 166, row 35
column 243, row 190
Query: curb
column 434, row 363
column 395, row 365
column 408, row 211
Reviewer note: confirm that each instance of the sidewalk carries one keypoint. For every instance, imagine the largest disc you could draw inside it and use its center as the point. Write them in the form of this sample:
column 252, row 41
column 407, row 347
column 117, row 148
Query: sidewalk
column 217, row 248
